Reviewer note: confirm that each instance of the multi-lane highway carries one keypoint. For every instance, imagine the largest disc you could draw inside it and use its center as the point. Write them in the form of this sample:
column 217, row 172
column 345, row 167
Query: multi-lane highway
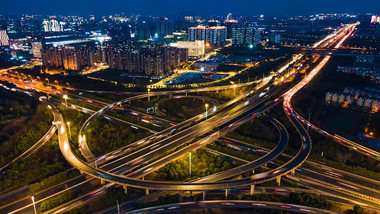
column 330, row 182
column 230, row 204
column 200, row 129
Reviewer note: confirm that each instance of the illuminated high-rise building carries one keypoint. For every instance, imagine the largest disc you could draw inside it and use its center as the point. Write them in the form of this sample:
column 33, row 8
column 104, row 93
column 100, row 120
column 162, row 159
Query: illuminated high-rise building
column 36, row 49
column 163, row 28
column 196, row 49
column 149, row 61
column 4, row 39
column 215, row 36
column 52, row 25
column 275, row 38
column 246, row 36
column 71, row 58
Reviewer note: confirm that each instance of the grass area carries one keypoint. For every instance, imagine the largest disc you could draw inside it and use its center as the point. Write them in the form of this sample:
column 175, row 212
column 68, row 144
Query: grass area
column 374, row 124
column 47, row 161
column 117, row 76
column 341, row 122
column 56, row 200
column 259, row 129
column 24, row 120
column 202, row 164
column 183, row 108
column 104, row 136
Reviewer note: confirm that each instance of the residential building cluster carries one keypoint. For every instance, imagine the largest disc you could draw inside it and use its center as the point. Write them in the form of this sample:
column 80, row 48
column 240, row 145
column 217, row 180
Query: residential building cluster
column 53, row 25
column 246, row 35
column 364, row 66
column 156, row 61
column 367, row 99
column 72, row 58
column 215, row 35
column 4, row 39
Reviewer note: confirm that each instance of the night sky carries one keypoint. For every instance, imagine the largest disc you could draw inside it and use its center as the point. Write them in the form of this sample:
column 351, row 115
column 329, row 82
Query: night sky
column 202, row 7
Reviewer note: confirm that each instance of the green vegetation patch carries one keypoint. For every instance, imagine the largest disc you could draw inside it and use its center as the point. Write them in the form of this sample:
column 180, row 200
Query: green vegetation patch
column 202, row 164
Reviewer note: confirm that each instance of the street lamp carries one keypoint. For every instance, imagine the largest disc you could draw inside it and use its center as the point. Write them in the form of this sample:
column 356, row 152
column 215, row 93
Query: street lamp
column 206, row 109
column 148, row 95
column 68, row 84
column 65, row 97
column 68, row 125
column 190, row 164
column 47, row 79
column 34, row 204
column 234, row 89
column 56, row 81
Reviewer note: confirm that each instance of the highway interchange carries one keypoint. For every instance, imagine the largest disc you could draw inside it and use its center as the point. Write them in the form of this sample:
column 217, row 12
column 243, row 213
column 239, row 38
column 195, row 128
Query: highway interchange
column 229, row 115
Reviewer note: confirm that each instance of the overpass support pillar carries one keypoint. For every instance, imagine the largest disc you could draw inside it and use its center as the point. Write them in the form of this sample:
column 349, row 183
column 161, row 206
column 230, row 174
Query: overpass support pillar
column 142, row 178
column 186, row 94
column 171, row 96
column 278, row 179
column 180, row 196
column 191, row 193
column 293, row 171
column 226, row 193
column 204, row 196
column 147, row 191
column 252, row 189
column 125, row 189
column 102, row 182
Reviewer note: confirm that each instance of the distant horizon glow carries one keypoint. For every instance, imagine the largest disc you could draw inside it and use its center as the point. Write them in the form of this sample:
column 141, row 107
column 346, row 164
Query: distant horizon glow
column 194, row 7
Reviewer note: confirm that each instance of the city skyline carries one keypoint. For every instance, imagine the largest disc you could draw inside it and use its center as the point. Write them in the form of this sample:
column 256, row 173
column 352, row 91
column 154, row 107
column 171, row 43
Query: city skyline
column 215, row 106
column 197, row 7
